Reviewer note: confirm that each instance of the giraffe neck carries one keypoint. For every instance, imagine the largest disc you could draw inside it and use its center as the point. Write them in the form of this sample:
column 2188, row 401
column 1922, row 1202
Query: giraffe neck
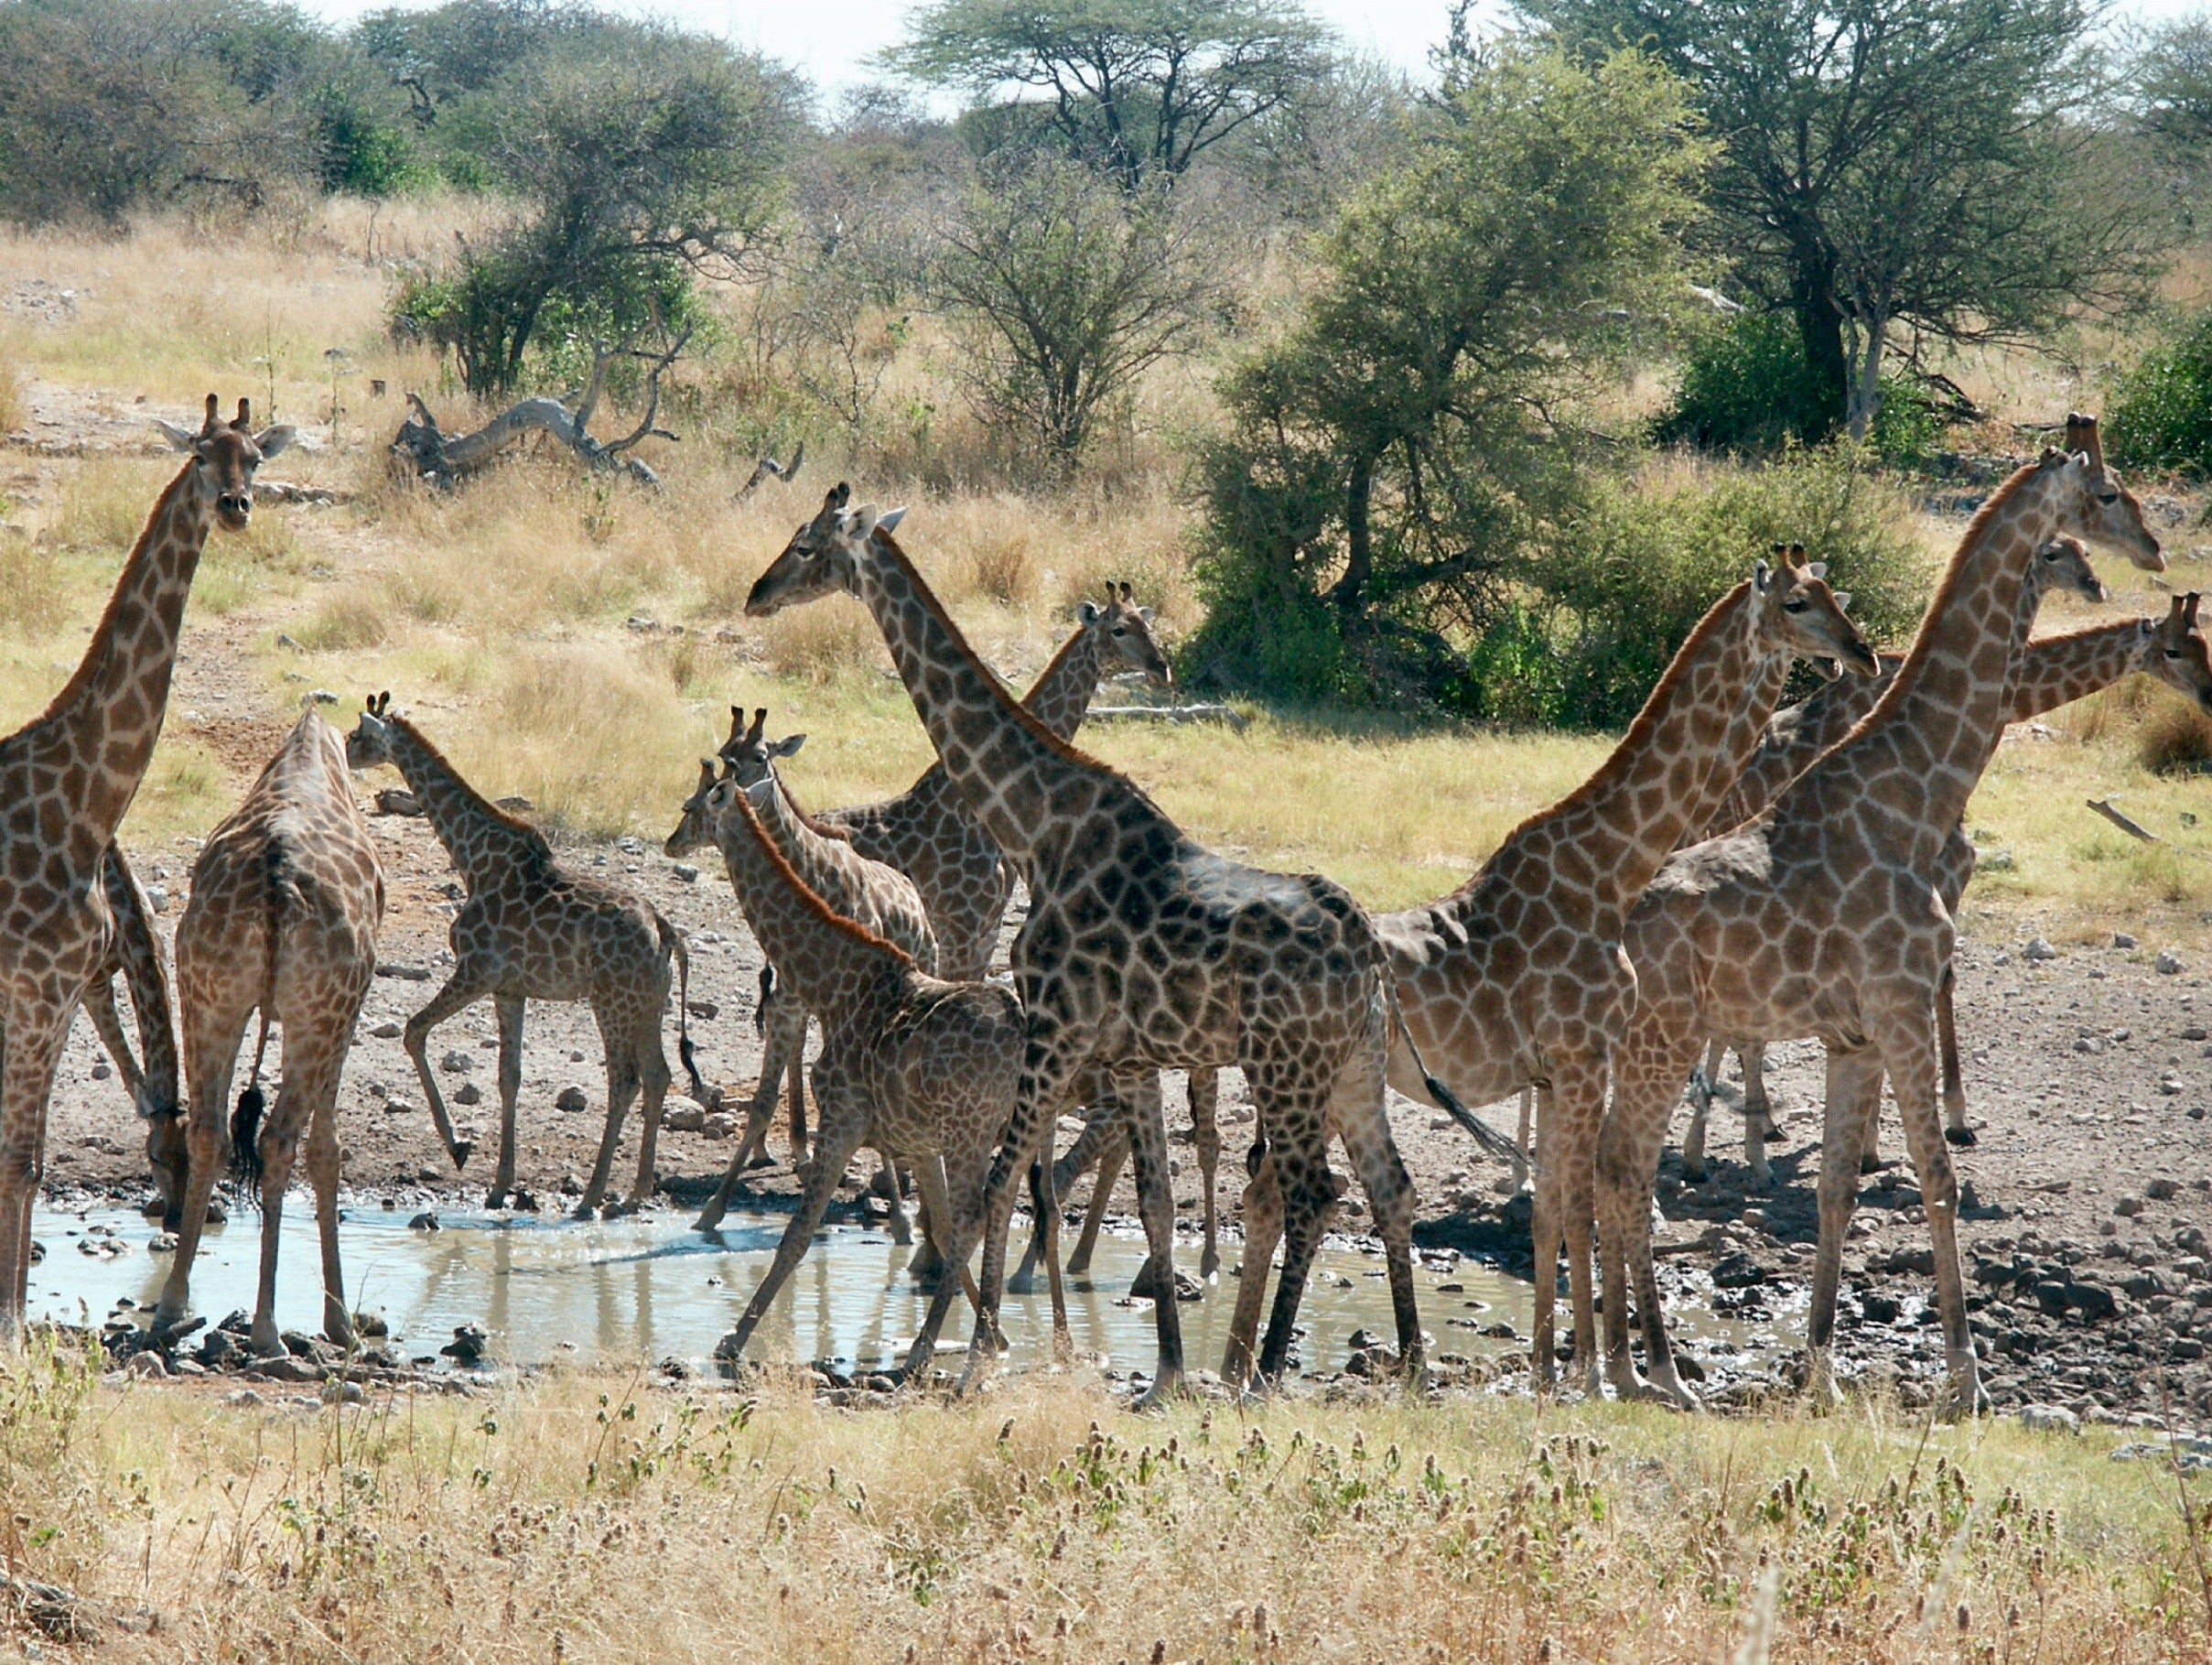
column 109, row 714
column 830, row 961
column 797, row 839
column 1686, row 747
column 1004, row 763
column 485, row 841
column 1905, row 773
column 1063, row 692
column 2058, row 670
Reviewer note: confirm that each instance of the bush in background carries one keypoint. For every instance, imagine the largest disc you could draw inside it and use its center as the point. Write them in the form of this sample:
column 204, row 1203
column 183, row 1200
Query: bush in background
column 2161, row 413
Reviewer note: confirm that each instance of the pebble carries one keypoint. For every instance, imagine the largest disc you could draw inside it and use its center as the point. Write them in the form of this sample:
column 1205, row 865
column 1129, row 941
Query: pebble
column 457, row 1063
column 571, row 1099
column 2120, row 939
column 467, row 1093
column 2167, row 964
column 686, row 872
column 424, row 1222
column 2037, row 949
column 2049, row 1419
column 386, row 1030
column 398, row 1103
column 100, row 1071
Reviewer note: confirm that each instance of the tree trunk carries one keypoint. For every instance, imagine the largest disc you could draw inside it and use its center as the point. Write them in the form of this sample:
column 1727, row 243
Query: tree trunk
column 1820, row 327
column 1866, row 375
column 1350, row 592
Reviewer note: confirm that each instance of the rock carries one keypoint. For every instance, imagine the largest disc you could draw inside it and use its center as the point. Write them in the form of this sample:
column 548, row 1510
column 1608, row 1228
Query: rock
column 301, row 1345
column 100, row 1071
column 387, row 1031
column 468, row 1343
column 398, row 1103
column 37, row 1251
column 339, row 1391
column 148, row 1363
column 371, row 1325
column 467, row 1093
column 2120, row 939
column 2038, row 949
column 323, row 696
column 2159, row 1190
column 158, row 898
column 1755, row 1219
column 424, row 1222
column 2167, row 964
column 2049, row 1419
column 287, row 1369
column 704, row 1011
column 720, row 1125
column 457, row 1063
column 397, row 801
column 217, row 1349
column 571, row 1101
column 1737, row 1271
column 2128, row 1207
column 284, row 640
column 164, row 1243
column 684, row 1117
column 686, row 872
column 1879, row 1308
column 244, row 1399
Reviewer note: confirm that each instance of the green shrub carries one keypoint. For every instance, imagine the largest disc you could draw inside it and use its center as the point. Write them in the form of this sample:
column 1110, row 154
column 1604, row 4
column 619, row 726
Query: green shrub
column 2160, row 413
column 1748, row 386
column 1618, row 587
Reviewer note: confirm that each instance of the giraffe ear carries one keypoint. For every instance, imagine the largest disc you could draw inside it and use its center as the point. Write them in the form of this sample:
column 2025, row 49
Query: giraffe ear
column 861, row 524
column 892, row 517
column 271, row 440
column 1818, row 568
column 1145, row 614
column 788, row 746
column 1089, row 613
column 1843, row 600
column 1762, row 577
column 180, row 439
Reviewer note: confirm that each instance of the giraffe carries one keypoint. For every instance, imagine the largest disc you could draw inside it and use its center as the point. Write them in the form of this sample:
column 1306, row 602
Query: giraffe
column 1822, row 918
column 66, row 780
column 879, row 899
column 288, row 895
column 136, row 956
column 532, row 930
column 1517, row 979
column 1796, row 735
column 918, row 1067
column 1142, row 951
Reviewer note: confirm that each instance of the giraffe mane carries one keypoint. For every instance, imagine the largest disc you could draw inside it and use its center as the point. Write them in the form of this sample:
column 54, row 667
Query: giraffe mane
column 492, row 811
column 1020, row 713
column 810, row 898
column 1634, row 743
column 89, row 665
column 1917, row 656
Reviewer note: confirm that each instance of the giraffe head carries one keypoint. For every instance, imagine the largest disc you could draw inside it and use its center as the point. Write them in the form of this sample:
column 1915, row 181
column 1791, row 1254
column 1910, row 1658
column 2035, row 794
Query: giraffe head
column 695, row 830
column 1800, row 614
column 749, row 754
column 225, row 455
column 823, row 555
column 2063, row 564
column 1125, row 632
column 2092, row 503
column 370, row 742
column 2184, row 661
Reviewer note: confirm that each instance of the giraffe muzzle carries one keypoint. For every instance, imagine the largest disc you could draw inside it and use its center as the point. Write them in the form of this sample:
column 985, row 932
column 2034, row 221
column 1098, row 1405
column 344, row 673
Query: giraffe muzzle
column 235, row 508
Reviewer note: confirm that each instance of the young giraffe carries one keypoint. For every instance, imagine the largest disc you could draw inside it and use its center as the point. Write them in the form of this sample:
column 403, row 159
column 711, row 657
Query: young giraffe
column 287, row 897
column 1517, row 977
column 1822, row 918
column 532, row 930
column 66, row 780
column 1796, row 735
column 1142, row 951
column 879, row 899
column 921, row 1068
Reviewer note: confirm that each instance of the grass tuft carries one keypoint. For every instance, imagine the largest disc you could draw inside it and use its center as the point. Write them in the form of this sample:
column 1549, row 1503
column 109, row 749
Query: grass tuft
column 2174, row 740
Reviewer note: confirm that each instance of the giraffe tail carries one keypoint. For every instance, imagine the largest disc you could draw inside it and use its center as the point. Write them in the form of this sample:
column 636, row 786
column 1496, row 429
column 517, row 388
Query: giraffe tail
column 672, row 944
column 246, row 1165
column 1492, row 1142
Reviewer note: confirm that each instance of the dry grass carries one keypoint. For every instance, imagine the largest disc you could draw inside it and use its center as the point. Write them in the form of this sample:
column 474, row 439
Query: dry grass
column 588, row 1517
column 2173, row 737
column 15, row 399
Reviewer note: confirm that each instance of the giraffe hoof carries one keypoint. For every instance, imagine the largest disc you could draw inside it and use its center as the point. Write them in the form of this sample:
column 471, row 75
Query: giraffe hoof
column 1962, row 1137
column 461, row 1151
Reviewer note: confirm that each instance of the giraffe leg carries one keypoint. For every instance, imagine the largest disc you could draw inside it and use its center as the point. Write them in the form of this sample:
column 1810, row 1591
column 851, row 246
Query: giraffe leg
column 1141, row 1097
column 1647, row 1080
column 1854, row 1089
column 1205, row 1123
column 1544, row 1231
column 886, row 1185
column 509, row 1009
column 1520, row 1133
column 1758, row 1113
column 929, row 1187
column 1110, row 1163
column 1100, row 1128
column 1702, row 1085
column 462, row 990
column 165, row 1137
column 278, row 1146
column 621, row 1087
column 1310, row 1194
column 30, row 1050
column 965, row 1183
column 651, row 1068
column 1363, row 1124
column 796, row 1071
column 1578, row 1105
column 1955, row 1129
column 211, row 1039
column 1906, row 1032
column 1869, row 1132
column 1263, row 1213
column 323, row 1173
column 784, row 1055
column 843, row 1126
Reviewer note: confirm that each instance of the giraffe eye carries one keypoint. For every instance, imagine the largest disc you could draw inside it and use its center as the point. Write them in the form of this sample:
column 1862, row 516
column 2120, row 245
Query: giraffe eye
column 1120, row 631
column 1793, row 605
column 2108, row 498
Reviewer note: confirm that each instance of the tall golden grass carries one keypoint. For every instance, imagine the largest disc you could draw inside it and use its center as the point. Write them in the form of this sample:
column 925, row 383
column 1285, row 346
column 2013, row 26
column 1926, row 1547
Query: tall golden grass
column 591, row 1517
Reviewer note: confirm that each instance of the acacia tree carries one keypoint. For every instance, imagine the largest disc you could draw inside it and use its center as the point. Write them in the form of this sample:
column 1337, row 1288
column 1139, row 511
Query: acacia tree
column 1392, row 454
column 1068, row 289
column 1888, row 164
column 1139, row 88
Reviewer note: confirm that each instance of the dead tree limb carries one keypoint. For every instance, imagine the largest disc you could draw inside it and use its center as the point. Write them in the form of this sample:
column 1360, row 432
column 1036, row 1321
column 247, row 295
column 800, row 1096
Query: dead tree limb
column 2103, row 806
column 422, row 448
column 769, row 466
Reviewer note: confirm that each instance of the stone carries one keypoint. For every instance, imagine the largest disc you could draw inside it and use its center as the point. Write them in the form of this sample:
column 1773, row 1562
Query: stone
column 2037, row 949
column 371, row 1325
column 468, row 1343
column 149, row 1363
column 244, row 1399
column 424, row 1222
column 1737, row 1271
column 2128, row 1207
column 388, row 1030
column 571, row 1101
column 398, row 1103
column 1879, row 1308
column 457, row 1063
column 2049, row 1419
column 2167, row 964
column 2162, row 1188
column 337, row 1391
column 2120, row 939
column 686, row 872
column 720, row 1125
column 684, row 1117
column 100, row 1071
column 467, row 1093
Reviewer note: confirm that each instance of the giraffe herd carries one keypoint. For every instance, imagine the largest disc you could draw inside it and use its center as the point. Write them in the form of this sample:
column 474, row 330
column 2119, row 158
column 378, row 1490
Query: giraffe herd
column 1733, row 875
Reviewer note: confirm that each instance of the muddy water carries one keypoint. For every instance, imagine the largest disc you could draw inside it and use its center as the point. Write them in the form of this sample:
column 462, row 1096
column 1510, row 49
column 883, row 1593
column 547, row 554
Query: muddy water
column 620, row 1291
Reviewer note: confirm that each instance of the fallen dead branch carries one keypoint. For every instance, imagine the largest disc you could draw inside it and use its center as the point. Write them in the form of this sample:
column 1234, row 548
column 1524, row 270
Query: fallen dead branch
column 49, row 1608
column 424, row 450
column 1177, row 714
column 2103, row 806
column 768, row 467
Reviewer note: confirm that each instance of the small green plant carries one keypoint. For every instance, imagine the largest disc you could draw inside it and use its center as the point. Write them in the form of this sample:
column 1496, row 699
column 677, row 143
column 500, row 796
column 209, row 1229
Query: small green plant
column 1747, row 386
column 2161, row 413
